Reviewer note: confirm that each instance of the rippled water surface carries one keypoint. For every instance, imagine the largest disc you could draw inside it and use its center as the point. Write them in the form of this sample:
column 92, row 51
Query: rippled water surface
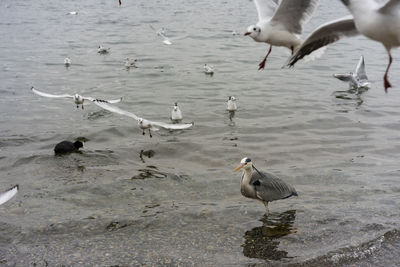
column 180, row 203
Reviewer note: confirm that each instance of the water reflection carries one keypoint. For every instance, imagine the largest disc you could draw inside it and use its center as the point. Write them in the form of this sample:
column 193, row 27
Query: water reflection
column 351, row 97
column 231, row 115
column 262, row 242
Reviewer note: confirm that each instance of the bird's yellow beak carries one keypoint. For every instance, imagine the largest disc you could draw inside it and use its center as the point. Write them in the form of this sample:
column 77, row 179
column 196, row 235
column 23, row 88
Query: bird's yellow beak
column 238, row 167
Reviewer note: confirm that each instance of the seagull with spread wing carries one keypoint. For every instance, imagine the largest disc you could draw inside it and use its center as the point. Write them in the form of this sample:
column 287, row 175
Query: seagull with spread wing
column 143, row 123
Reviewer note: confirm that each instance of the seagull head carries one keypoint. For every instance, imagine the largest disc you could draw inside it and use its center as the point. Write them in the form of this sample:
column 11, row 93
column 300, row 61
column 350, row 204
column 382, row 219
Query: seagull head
column 245, row 163
column 176, row 106
column 253, row 31
column 78, row 99
column 232, row 98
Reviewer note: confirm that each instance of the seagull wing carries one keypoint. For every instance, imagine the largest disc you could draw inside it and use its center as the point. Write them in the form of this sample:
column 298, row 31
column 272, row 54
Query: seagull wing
column 50, row 95
column 360, row 69
column 104, row 101
column 291, row 15
column 265, row 8
column 390, row 7
column 171, row 126
column 343, row 77
column 325, row 34
column 115, row 109
column 6, row 196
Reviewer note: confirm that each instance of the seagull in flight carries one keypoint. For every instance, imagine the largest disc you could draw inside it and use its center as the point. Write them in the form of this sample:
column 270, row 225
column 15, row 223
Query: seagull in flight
column 102, row 50
column 6, row 196
column 358, row 79
column 208, row 69
column 78, row 99
column 143, row 123
column 279, row 24
column 378, row 22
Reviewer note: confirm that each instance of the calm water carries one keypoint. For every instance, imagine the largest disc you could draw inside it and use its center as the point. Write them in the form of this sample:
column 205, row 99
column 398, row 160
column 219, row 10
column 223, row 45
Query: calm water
column 107, row 206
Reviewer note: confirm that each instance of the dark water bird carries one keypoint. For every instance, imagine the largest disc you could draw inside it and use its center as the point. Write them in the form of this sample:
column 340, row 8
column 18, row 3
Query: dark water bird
column 280, row 23
column 6, row 196
column 378, row 22
column 65, row 147
column 262, row 186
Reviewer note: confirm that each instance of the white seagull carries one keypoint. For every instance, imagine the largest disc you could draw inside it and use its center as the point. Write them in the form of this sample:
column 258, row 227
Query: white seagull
column 6, row 196
column 67, row 62
column 143, row 123
column 129, row 63
column 231, row 104
column 78, row 99
column 208, row 69
column 377, row 22
column 358, row 79
column 102, row 50
column 279, row 25
column 72, row 13
column 176, row 113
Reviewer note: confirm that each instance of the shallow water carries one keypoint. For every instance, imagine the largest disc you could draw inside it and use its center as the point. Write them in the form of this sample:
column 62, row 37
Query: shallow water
column 182, row 205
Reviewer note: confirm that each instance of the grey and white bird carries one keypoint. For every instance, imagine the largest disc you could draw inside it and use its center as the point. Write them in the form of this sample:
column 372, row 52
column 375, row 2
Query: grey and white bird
column 78, row 99
column 7, row 195
column 176, row 113
column 67, row 62
column 143, row 123
column 378, row 22
column 72, row 13
column 103, row 50
column 279, row 24
column 357, row 79
column 130, row 64
column 231, row 104
column 262, row 186
column 208, row 69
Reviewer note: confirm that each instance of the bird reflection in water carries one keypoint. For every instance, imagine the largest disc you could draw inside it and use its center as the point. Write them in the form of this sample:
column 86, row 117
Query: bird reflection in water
column 351, row 97
column 262, row 242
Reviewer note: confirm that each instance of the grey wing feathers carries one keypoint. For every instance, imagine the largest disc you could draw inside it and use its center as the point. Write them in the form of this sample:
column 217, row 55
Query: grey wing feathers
column 50, row 95
column 293, row 14
column 170, row 126
column 265, row 8
column 324, row 35
column 115, row 109
column 270, row 187
column 343, row 77
column 390, row 7
column 360, row 69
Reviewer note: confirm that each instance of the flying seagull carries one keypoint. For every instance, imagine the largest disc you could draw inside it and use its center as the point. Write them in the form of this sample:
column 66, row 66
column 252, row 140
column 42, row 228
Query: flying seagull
column 143, row 123
column 279, row 24
column 78, row 99
column 357, row 79
column 377, row 22
column 6, row 196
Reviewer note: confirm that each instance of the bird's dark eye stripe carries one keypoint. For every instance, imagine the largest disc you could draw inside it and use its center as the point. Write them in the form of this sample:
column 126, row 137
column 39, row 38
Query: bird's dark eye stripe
column 248, row 160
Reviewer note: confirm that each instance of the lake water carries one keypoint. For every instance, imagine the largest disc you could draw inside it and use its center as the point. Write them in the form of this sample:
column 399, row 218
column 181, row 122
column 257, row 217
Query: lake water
column 182, row 206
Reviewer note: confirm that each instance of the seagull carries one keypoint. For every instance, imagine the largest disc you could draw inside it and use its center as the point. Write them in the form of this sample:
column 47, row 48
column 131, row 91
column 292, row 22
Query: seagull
column 208, row 69
column 72, row 13
column 231, row 104
column 143, row 123
column 377, row 22
column 279, row 25
column 67, row 62
column 176, row 113
column 129, row 63
column 6, row 196
column 78, row 99
column 262, row 186
column 358, row 79
column 102, row 50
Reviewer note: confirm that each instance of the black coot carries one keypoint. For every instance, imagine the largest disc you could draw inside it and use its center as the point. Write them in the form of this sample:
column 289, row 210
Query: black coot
column 67, row 147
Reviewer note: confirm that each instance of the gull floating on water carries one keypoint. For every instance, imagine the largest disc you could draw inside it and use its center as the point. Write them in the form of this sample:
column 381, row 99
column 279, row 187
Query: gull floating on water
column 262, row 186
column 67, row 62
column 208, row 69
column 231, row 104
column 358, row 79
column 143, row 123
column 176, row 113
column 6, row 196
column 78, row 99
column 72, row 13
column 279, row 25
column 377, row 22
column 129, row 63
column 102, row 50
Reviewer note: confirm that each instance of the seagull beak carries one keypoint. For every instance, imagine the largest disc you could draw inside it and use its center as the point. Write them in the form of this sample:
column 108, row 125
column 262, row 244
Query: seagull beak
column 247, row 33
column 238, row 167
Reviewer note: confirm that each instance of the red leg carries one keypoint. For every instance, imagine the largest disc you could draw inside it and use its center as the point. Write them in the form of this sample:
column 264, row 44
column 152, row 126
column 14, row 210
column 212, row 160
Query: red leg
column 386, row 82
column 262, row 64
column 120, row 2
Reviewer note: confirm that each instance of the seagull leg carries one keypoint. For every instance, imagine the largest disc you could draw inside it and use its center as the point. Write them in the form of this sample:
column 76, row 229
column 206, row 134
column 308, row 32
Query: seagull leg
column 262, row 64
column 266, row 206
column 143, row 132
column 82, row 106
column 386, row 82
column 150, row 134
